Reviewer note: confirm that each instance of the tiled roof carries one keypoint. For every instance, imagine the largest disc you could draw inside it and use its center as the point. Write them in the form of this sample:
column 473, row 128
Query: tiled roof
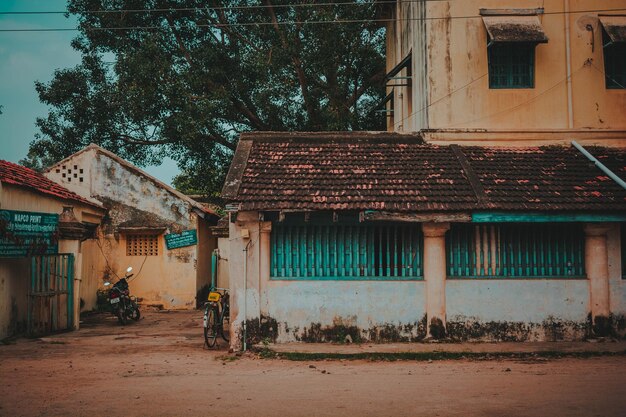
column 21, row 176
column 392, row 172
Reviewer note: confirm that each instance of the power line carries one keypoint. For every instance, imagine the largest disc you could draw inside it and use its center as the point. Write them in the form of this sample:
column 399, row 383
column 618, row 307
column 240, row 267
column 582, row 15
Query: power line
column 533, row 98
column 259, row 6
column 438, row 100
column 306, row 22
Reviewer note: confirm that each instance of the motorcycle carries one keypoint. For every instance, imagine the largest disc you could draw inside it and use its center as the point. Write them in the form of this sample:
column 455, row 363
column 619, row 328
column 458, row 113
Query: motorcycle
column 123, row 305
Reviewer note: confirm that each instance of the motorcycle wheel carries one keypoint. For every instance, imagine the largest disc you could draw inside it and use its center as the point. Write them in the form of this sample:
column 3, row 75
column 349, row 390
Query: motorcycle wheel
column 121, row 316
column 135, row 314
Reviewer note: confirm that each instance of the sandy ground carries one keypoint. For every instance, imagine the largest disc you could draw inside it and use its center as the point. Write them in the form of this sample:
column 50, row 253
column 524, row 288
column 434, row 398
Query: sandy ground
column 158, row 367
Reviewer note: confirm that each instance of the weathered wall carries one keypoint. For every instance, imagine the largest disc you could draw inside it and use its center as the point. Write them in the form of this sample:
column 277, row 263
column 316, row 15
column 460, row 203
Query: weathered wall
column 223, row 263
column 314, row 310
column 474, row 309
column 458, row 94
column 617, row 283
column 167, row 280
column 204, row 250
column 318, row 311
column 14, row 279
column 92, row 273
column 15, row 273
column 525, row 310
column 135, row 200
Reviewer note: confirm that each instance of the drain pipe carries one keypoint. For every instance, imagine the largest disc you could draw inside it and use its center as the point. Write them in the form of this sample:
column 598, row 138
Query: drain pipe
column 600, row 165
column 568, row 66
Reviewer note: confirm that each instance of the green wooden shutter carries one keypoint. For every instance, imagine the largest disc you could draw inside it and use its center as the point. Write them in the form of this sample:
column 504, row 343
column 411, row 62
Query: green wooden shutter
column 516, row 250
column 346, row 252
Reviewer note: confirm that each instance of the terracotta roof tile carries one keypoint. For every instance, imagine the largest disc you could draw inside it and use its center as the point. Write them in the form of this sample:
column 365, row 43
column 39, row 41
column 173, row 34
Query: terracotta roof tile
column 400, row 173
column 19, row 175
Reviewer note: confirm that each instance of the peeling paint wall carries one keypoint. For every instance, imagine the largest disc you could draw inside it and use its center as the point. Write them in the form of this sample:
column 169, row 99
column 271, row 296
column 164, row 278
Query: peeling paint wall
column 169, row 279
column 383, row 311
column 520, row 310
column 617, row 283
column 14, row 279
column 322, row 310
column 15, row 273
column 458, row 94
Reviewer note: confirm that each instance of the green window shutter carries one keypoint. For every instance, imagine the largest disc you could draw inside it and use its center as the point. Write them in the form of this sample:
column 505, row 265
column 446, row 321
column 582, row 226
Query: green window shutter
column 614, row 64
column 511, row 65
column 346, row 252
column 516, row 250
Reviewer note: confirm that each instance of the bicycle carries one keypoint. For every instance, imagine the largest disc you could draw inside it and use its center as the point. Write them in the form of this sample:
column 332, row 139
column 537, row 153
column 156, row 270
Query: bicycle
column 216, row 310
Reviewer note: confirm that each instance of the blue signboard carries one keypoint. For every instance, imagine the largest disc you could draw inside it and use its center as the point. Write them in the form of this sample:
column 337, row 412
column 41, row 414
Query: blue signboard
column 24, row 233
column 179, row 240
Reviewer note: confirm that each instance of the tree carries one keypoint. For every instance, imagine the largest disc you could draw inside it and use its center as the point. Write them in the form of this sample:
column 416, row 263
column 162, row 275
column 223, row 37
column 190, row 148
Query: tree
column 184, row 78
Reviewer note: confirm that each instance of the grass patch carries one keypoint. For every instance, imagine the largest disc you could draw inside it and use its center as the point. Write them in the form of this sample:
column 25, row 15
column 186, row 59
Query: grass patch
column 426, row 356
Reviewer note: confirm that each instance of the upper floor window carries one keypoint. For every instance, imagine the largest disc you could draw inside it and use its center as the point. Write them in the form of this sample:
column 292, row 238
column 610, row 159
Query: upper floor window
column 511, row 66
column 512, row 38
column 614, row 46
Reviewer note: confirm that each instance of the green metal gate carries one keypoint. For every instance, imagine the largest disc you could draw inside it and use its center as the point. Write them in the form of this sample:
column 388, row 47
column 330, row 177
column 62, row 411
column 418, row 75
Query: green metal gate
column 51, row 294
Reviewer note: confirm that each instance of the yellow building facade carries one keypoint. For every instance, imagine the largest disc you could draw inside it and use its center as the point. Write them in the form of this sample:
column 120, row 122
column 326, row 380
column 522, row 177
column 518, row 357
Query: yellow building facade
column 448, row 87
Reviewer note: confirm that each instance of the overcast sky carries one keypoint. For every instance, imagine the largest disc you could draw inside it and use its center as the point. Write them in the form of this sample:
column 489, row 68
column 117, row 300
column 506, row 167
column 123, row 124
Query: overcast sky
column 26, row 57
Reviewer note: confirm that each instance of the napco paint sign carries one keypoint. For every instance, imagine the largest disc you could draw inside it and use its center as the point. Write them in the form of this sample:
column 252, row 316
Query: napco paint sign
column 25, row 233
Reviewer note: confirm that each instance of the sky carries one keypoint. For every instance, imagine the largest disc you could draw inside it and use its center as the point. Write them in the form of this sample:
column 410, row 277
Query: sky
column 26, row 57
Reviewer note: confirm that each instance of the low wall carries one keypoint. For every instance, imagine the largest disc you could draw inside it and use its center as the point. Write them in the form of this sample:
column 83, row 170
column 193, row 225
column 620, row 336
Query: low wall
column 517, row 310
column 316, row 311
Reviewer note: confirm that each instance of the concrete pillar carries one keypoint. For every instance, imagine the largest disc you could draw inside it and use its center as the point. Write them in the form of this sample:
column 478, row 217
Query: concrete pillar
column 597, row 270
column 264, row 266
column 243, row 267
column 435, row 277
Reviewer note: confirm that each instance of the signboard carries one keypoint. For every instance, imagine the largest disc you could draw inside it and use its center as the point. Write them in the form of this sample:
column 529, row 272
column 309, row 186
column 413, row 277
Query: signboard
column 24, row 233
column 179, row 240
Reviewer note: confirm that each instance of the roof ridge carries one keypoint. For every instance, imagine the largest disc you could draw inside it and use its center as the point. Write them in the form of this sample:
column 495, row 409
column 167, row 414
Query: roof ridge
column 135, row 168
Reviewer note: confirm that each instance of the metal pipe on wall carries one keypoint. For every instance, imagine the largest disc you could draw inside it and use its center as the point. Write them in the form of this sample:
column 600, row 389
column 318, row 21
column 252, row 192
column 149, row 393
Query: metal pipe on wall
column 568, row 64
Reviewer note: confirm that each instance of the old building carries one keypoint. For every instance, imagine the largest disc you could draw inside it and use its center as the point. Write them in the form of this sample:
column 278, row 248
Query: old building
column 482, row 218
column 44, row 228
column 161, row 233
column 385, row 237
column 508, row 73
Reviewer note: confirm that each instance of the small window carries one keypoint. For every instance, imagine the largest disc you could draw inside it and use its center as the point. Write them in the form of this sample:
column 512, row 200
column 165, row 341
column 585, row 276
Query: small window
column 614, row 63
column 142, row 245
column 511, row 65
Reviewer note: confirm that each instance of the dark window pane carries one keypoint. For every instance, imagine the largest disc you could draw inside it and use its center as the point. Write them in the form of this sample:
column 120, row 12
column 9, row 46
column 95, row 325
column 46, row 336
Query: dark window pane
column 511, row 65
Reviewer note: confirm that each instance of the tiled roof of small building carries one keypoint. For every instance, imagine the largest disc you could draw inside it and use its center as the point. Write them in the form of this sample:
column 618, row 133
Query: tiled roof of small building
column 394, row 172
column 21, row 176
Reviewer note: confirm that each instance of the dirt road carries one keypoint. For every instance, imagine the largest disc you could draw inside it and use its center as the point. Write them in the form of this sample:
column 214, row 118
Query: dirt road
column 158, row 367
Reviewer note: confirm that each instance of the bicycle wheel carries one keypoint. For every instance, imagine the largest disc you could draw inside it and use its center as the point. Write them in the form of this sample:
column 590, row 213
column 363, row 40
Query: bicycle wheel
column 210, row 326
column 222, row 330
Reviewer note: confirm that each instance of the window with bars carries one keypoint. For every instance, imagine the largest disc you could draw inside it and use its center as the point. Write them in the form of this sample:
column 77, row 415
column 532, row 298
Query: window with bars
column 142, row 245
column 614, row 63
column 511, row 65
column 346, row 252
column 530, row 250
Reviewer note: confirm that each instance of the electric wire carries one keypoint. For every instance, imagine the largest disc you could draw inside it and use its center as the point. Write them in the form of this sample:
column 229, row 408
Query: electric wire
column 291, row 22
column 517, row 106
column 218, row 8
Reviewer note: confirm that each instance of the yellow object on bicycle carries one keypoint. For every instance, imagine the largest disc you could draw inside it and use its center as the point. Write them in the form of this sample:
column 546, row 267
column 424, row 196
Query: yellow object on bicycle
column 214, row 296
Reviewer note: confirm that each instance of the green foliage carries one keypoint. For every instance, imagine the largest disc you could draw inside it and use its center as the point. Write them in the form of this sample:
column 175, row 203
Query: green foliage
column 186, row 87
